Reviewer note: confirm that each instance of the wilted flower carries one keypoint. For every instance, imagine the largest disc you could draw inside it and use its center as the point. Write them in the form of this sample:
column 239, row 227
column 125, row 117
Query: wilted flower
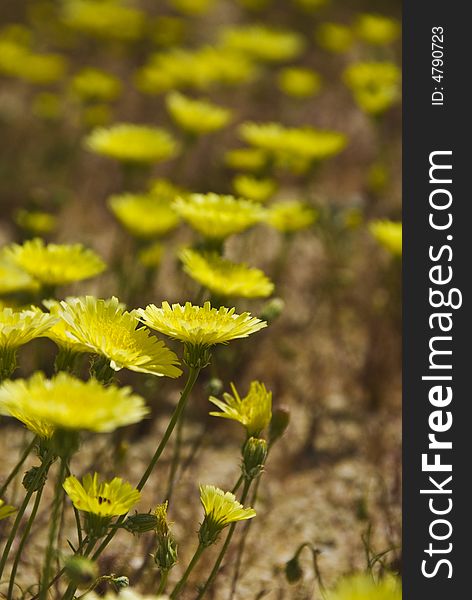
column 37, row 222
column 199, row 325
column 362, row 586
column 376, row 29
column 66, row 402
column 225, row 278
column 105, row 499
column 221, row 509
column 91, row 84
column 375, row 85
column 388, row 234
column 55, row 264
column 128, row 142
column 246, row 159
column 105, row 19
column 197, row 116
column 299, row 82
column 110, row 331
column 254, row 411
column 165, row 556
column 291, row 215
column 263, row 43
column 144, row 215
column 334, row 37
column 253, row 188
column 6, row 510
column 216, row 216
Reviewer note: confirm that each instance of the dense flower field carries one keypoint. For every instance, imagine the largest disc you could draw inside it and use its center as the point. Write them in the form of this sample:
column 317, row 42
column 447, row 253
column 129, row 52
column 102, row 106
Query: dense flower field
column 200, row 265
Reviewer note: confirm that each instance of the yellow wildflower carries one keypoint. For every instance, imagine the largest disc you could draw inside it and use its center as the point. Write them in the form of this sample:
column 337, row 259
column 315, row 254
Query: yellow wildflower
column 91, row 84
column 253, row 188
column 17, row 60
column 375, row 85
column 164, row 189
column 388, row 234
column 20, row 327
column 291, row 215
column 167, row 30
column 263, row 43
column 144, row 215
column 246, row 159
column 55, row 264
column 59, row 332
column 6, row 510
column 196, row 116
column 377, row 30
column 363, row 587
column 254, row 411
column 199, row 325
column 105, row 499
column 334, row 37
column 36, row 221
column 225, row 278
column 110, row 331
column 310, row 5
column 129, row 142
column 299, row 82
column 47, row 106
column 66, row 402
column 13, row 279
column 193, row 7
column 216, row 216
column 151, row 256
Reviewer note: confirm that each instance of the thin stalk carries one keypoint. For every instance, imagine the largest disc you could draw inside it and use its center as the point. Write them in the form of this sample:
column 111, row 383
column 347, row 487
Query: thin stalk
column 219, row 560
column 162, row 584
column 21, row 546
column 21, row 511
column 175, row 458
column 180, row 585
column 56, row 511
column 18, row 465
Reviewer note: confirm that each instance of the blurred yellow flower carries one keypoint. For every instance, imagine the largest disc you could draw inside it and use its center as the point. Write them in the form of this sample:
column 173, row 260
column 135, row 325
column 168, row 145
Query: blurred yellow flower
column 299, row 82
column 377, row 29
column 200, row 325
column 291, row 215
column 221, row 509
column 91, row 84
column 36, row 221
column 216, row 216
column 66, row 402
column 246, row 159
column 310, row 5
column 375, row 85
column 263, row 43
column 225, row 278
column 166, row 30
column 6, row 510
column 97, row 114
column 47, row 106
column 164, row 189
column 105, row 19
column 13, row 279
column 334, row 37
column 20, row 327
column 196, row 116
column 144, row 215
column 192, row 7
column 388, row 234
column 18, row 60
column 129, row 142
column 363, row 587
column 254, row 411
column 151, row 256
column 110, row 331
column 253, row 188
column 55, row 264
column 105, row 499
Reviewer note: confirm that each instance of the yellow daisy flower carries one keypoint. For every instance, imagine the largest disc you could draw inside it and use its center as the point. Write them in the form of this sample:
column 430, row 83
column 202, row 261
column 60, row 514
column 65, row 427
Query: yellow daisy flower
column 37, row 222
column 19, row 61
column 216, row 216
column 196, row 116
column 91, row 84
column 110, row 331
column 20, row 327
column 263, row 43
column 199, row 325
column 377, row 30
column 66, row 402
column 59, row 332
column 225, row 278
column 299, row 82
column 291, row 215
column 144, row 215
column 246, row 159
column 334, row 37
column 375, row 85
column 14, row 279
column 151, row 256
column 193, row 7
column 104, row 499
column 6, row 510
column 254, row 411
column 259, row 190
column 388, row 234
column 55, row 264
column 362, row 587
column 221, row 509
column 133, row 143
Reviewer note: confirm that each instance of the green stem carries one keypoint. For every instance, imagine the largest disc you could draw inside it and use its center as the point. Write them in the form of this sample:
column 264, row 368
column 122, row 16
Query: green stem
column 21, row 511
column 162, row 584
column 219, row 560
column 17, row 467
column 175, row 458
column 180, row 585
column 56, row 511
column 24, row 537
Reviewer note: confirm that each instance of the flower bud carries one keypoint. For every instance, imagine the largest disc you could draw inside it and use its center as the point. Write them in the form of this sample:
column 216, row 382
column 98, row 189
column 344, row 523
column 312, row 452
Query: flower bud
column 254, row 457
column 30, row 480
column 165, row 556
column 279, row 423
column 293, row 570
column 120, row 581
column 214, row 386
column 140, row 523
column 272, row 309
column 81, row 570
